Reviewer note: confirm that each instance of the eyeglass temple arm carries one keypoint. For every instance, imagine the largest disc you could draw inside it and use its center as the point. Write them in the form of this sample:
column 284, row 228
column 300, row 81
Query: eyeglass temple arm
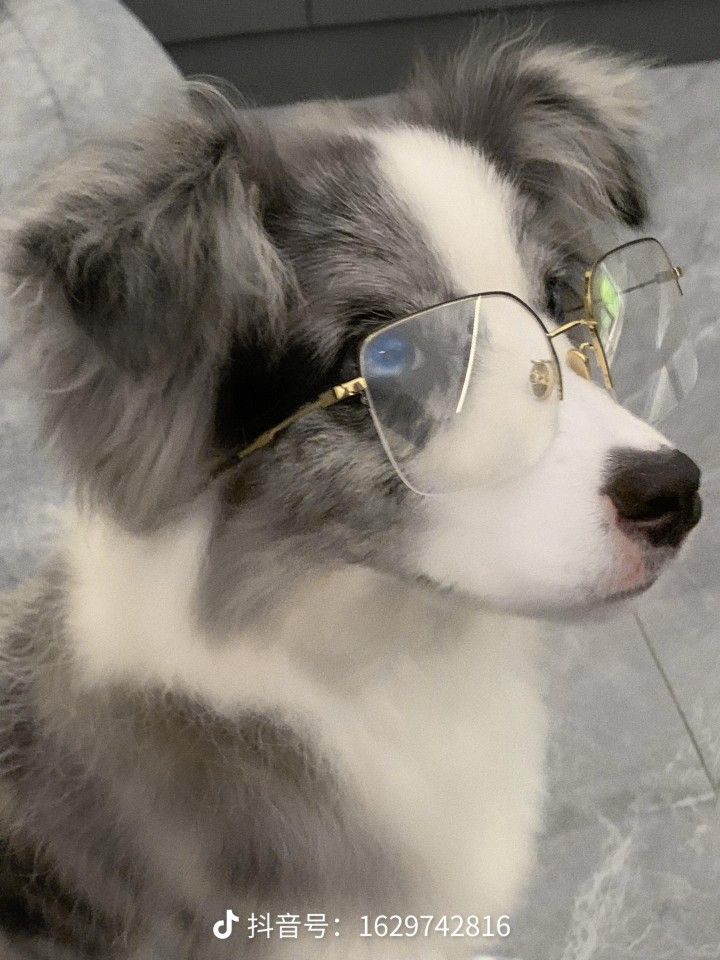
column 666, row 276
column 570, row 325
column 343, row 391
column 675, row 273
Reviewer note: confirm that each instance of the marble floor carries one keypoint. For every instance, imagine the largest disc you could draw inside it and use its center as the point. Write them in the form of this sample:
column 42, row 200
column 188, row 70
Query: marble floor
column 629, row 866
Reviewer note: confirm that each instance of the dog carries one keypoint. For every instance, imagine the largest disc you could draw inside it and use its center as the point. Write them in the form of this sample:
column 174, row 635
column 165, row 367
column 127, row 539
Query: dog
column 262, row 677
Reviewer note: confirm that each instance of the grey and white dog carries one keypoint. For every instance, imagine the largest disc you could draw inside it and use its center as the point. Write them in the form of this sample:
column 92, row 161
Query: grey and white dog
column 294, row 686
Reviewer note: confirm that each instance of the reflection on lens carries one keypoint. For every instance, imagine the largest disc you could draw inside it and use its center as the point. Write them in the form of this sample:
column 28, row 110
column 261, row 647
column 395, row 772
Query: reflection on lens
column 609, row 303
column 462, row 393
column 636, row 301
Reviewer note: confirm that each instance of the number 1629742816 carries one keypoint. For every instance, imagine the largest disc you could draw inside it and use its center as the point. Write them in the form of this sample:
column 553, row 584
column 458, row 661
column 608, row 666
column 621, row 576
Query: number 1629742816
column 429, row 925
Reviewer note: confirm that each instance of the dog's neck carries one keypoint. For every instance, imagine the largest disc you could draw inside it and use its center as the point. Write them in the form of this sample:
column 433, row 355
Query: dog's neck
column 138, row 611
column 405, row 692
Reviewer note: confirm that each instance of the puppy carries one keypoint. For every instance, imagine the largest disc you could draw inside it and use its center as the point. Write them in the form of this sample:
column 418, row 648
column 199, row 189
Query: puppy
column 262, row 674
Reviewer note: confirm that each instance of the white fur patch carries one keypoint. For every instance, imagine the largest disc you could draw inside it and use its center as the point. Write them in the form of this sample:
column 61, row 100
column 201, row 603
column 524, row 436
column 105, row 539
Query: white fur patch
column 544, row 538
column 463, row 203
column 430, row 713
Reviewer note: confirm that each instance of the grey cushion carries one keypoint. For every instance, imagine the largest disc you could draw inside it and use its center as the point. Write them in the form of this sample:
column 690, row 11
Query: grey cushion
column 69, row 69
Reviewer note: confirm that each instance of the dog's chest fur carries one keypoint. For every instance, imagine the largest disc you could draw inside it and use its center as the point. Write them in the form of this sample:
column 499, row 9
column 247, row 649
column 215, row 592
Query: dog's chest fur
column 408, row 730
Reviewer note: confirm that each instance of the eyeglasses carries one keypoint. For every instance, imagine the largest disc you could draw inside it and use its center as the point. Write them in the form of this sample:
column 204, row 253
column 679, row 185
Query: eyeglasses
column 467, row 391
column 639, row 345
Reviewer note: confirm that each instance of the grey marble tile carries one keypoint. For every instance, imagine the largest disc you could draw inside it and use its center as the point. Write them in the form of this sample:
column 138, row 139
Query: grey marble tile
column 630, row 864
column 640, row 887
column 685, row 120
column 617, row 742
column 682, row 617
column 686, row 216
column 682, row 612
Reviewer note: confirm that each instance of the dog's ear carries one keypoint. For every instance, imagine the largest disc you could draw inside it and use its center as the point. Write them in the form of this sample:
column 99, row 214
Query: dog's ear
column 131, row 281
column 565, row 124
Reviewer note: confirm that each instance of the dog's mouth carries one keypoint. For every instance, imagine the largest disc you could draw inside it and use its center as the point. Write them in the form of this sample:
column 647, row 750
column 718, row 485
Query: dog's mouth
column 638, row 559
column 616, row 589
column 635, row 569
column 631, row 590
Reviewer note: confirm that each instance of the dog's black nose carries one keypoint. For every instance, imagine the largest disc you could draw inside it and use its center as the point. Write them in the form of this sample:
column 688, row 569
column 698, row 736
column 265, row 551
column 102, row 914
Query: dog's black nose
column 655, row 493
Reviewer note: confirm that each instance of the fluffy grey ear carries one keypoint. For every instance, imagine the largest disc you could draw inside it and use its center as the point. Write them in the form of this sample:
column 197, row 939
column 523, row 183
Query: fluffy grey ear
column 129, row 282
column 564, row 123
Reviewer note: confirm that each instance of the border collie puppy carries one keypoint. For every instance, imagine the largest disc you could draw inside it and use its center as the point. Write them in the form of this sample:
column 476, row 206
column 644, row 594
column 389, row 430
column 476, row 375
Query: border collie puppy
column 293, row 671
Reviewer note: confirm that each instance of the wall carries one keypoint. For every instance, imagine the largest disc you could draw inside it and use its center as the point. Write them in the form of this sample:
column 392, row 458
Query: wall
column 275, row 51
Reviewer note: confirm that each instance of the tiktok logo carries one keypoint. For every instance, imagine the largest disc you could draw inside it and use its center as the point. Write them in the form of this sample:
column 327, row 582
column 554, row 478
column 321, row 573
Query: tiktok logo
column 223, row 928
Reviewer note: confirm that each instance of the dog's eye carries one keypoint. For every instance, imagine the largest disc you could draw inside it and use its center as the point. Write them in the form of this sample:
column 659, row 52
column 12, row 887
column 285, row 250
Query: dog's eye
column 554, row 300
column 391, row 354
column 562, row 301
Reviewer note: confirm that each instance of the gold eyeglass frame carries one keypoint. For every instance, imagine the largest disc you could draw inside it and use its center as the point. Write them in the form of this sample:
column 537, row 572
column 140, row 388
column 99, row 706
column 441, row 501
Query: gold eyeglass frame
column 545, row 375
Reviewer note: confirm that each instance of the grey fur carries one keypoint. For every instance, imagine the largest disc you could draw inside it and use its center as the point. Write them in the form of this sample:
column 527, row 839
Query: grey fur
column 101, row 795
column 162, row 274
column 143, row 267
column 561, row 145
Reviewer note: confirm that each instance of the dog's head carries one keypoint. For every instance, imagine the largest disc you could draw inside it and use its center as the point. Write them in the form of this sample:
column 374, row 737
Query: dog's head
column 188, row 288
